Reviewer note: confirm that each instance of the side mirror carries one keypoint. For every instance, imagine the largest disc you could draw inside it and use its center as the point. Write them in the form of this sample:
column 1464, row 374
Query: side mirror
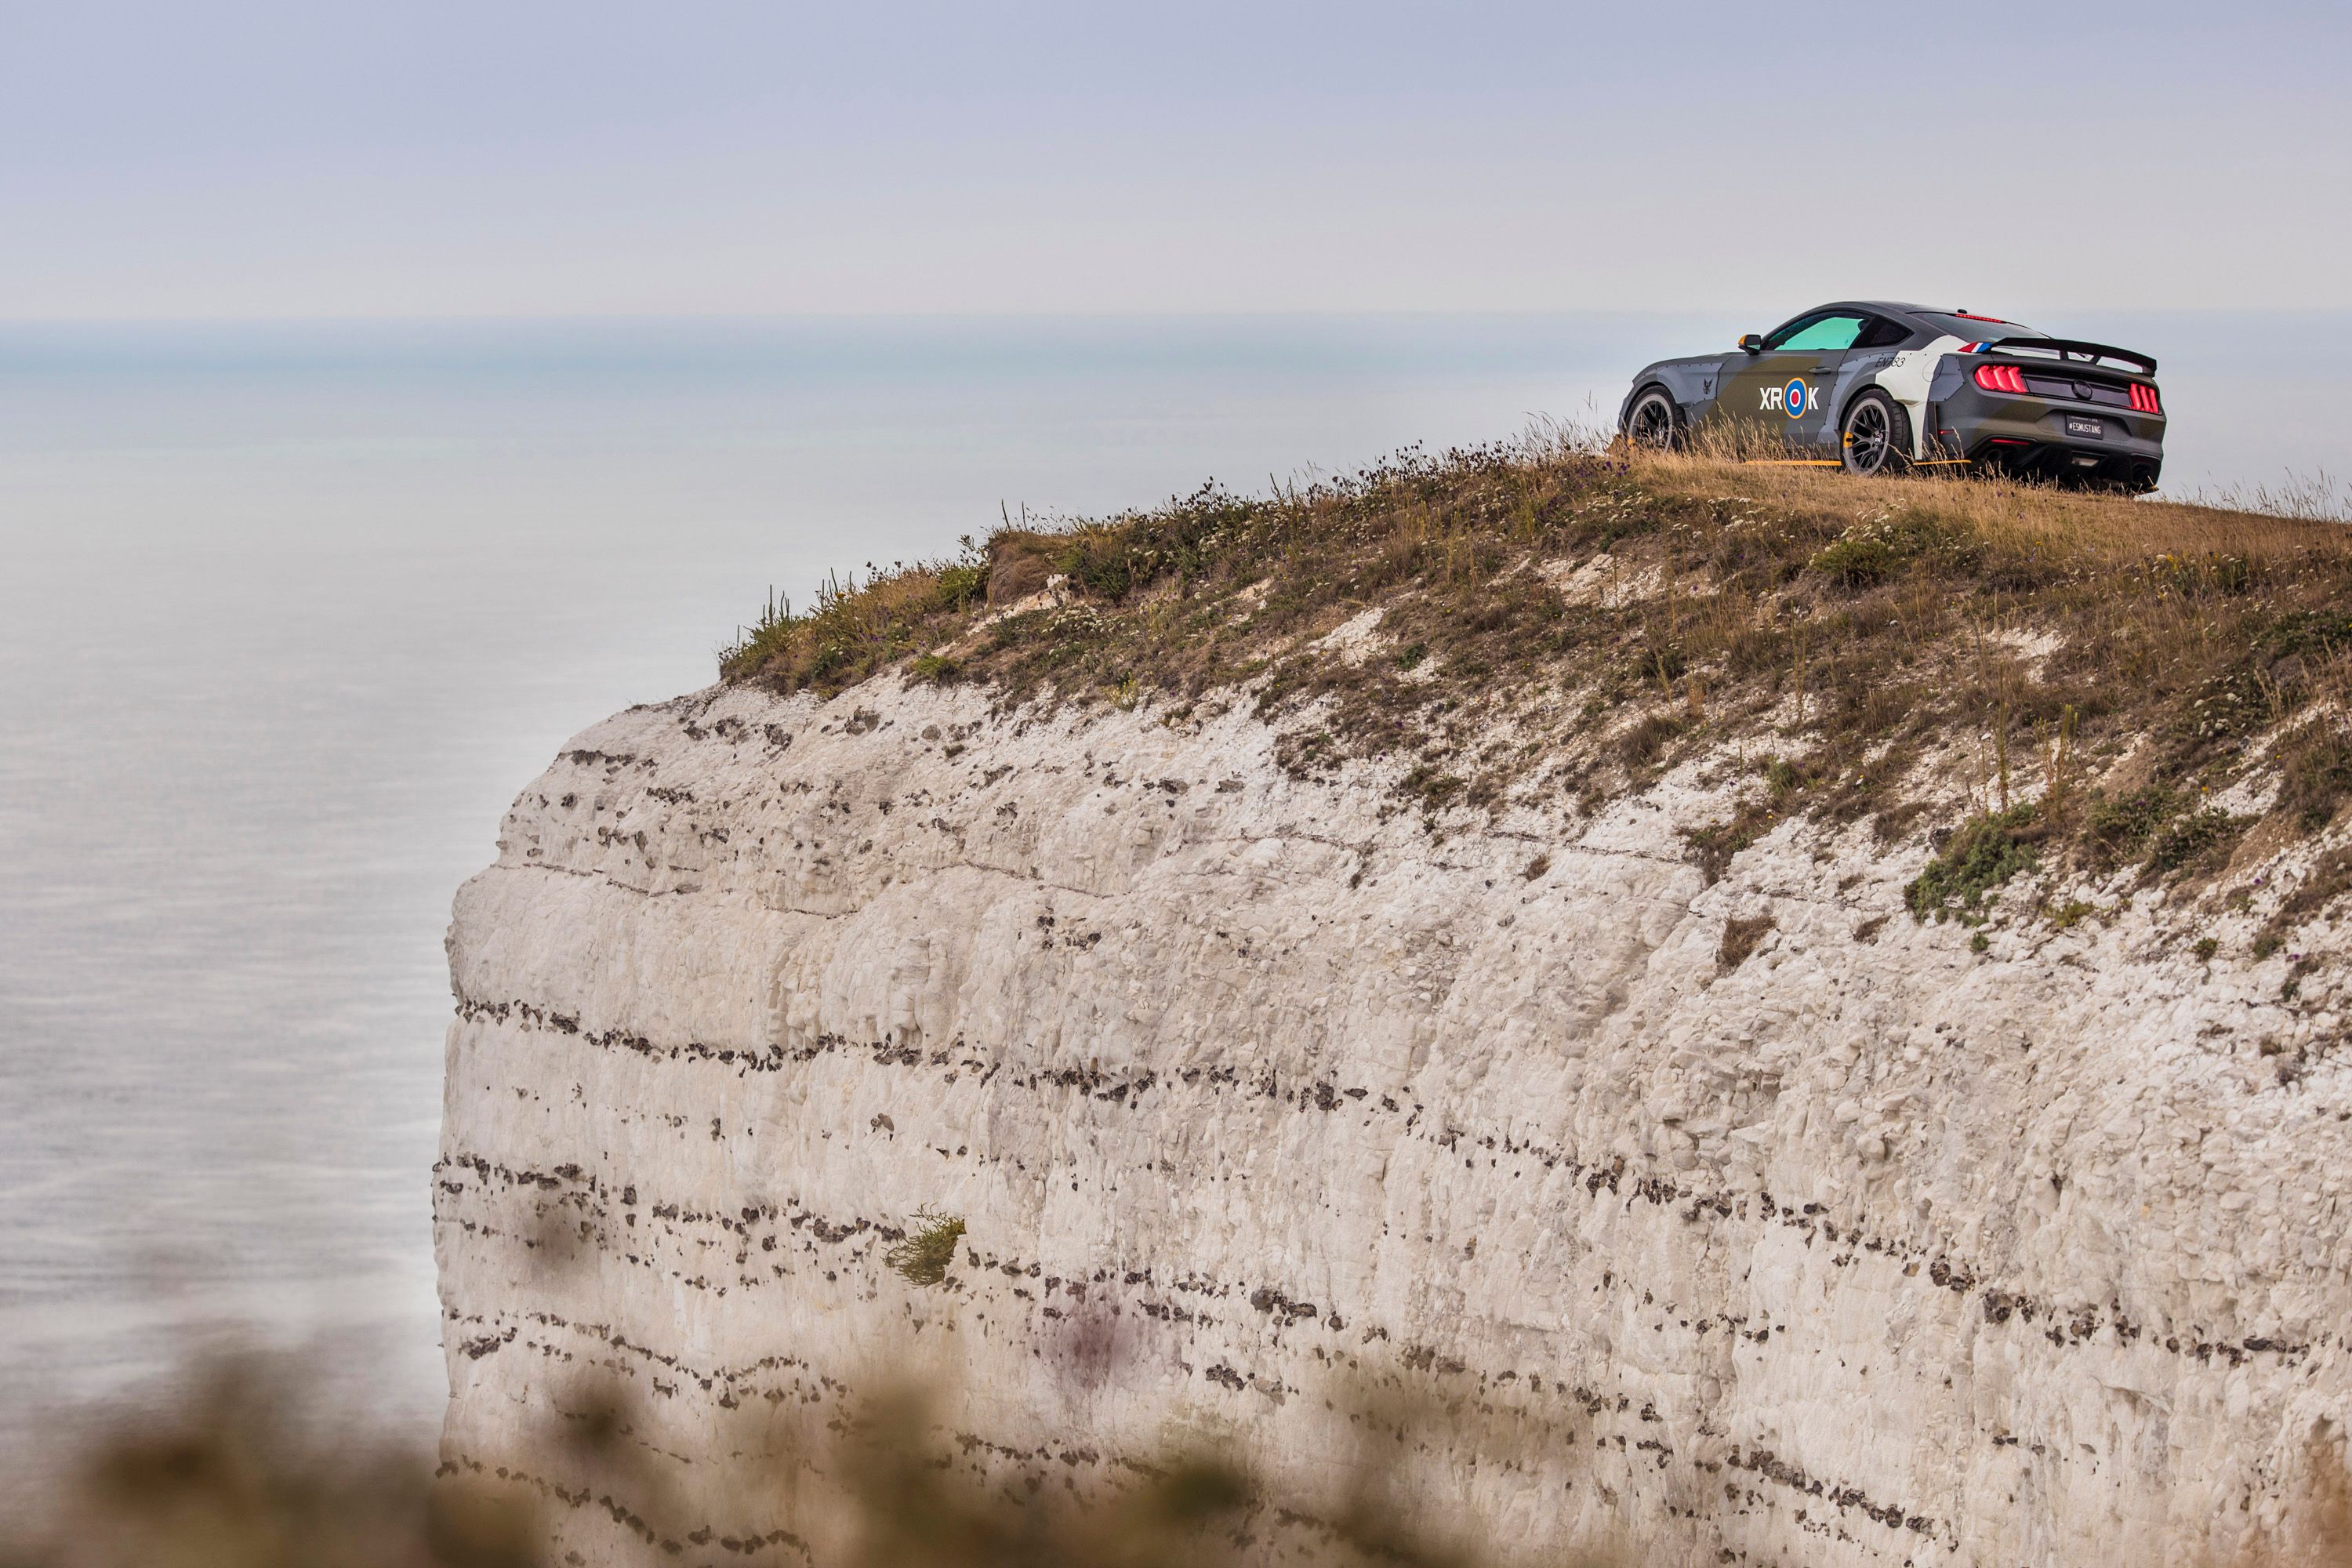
column 1753, row 342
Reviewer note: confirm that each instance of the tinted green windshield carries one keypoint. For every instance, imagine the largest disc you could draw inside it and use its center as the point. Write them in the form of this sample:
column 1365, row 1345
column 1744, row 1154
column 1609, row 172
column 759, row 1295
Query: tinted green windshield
column 1829, row 332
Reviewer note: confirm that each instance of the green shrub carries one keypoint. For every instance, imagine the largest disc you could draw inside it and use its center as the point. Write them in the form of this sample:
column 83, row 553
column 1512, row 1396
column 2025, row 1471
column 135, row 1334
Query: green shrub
column 1100, row 562
column 2307, row 634
column 932, row 667
column 1433, row 786
column 961, row 587
column 1855, row 562
column 2209, row 573
column 1985, row 853
column 1870, row 552
column 2069, row 915
column 2317, row 762
column 921, row 1256
column 2191, row 838
column 2120, row 830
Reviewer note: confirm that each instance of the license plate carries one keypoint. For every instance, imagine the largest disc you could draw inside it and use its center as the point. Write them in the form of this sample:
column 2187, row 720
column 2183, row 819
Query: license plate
column 2096, row 430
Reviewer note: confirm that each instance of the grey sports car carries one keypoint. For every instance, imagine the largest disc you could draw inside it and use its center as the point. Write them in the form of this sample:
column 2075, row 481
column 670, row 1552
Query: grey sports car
column 1875, row 387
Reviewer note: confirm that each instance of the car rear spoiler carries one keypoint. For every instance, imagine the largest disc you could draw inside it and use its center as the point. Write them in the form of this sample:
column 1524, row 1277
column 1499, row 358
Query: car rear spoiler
column 2067, row 348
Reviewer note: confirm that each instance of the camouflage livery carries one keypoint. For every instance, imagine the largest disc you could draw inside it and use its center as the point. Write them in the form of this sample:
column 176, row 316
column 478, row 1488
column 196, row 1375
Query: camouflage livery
column 1877, row 387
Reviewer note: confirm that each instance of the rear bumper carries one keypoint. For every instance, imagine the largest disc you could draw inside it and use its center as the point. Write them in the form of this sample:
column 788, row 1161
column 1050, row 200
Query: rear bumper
column 2029, row 436
column 2101, row 465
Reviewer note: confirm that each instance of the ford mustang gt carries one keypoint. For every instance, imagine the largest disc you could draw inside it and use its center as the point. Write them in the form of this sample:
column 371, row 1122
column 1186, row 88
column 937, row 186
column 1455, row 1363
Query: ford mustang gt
column 1876, row 387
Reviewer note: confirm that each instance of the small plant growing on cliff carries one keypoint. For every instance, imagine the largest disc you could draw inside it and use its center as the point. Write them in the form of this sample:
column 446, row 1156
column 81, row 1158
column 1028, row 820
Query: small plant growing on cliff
column 2068, row 915
column 2121, row 829
column 1985, row 853
column 2317, row 767
column 1741, row 938
column 1875, row 548
column 2195, row 837
column 921, row 1256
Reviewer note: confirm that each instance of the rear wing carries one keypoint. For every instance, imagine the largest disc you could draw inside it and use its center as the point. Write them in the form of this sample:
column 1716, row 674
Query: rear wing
column 2065, row 351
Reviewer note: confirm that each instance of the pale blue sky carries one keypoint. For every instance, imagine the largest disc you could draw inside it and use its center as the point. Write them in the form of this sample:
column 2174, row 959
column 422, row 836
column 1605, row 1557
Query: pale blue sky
column 246, row 158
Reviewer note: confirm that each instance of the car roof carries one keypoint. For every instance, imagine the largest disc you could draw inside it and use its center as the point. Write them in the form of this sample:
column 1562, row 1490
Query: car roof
column 1899, row 307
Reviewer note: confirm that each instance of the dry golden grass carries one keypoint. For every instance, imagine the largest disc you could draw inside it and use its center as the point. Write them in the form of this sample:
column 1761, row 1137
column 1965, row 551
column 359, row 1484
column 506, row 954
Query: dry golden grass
column 2094, row 526
column 1850, row 629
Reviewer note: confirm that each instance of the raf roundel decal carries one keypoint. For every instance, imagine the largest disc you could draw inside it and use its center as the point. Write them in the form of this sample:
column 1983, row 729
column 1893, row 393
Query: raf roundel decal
column 1794, row 397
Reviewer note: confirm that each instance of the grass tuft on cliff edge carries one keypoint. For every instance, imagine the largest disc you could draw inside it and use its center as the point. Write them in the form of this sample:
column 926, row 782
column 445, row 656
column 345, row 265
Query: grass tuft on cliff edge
column 1554, row 621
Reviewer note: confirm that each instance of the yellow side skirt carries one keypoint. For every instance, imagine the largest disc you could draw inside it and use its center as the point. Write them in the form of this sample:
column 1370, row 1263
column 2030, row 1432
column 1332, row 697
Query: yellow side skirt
column 1836, row 463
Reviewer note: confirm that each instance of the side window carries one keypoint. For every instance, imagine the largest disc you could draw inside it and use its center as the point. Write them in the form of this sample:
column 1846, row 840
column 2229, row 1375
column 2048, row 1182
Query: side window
column 1882, row 333
column 1779, row 339
column 1819, row 332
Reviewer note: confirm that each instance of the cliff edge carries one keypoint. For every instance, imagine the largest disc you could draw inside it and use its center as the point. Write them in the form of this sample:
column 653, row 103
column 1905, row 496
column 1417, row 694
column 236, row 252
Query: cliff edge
column 1771, row 1019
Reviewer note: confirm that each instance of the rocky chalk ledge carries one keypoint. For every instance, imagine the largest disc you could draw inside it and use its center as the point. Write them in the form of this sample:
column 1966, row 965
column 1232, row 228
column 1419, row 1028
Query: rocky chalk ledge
column 1841, row 1242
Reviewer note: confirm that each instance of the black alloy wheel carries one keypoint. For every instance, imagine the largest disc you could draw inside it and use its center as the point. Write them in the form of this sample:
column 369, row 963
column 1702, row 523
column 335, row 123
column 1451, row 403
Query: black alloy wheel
column 1654, row 421
column 1876, row 434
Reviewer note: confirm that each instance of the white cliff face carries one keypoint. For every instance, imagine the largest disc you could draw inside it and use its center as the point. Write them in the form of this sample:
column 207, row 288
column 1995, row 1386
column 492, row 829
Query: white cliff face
column 1259, row 1102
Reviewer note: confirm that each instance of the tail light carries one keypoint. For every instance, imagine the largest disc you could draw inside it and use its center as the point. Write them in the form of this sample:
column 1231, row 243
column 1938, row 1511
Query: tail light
column 2002, row 378
column 2145, row 400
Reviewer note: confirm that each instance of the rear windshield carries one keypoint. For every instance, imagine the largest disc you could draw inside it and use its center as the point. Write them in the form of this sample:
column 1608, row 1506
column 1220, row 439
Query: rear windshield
column 1974, row 329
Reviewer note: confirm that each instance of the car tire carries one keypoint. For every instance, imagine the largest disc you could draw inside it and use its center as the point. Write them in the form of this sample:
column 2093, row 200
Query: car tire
column 1875, row 437
column 1655, row 421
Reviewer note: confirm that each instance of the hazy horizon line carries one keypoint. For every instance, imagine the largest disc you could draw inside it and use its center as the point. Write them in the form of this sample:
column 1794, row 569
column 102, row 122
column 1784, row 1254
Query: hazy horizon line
column 686, row 318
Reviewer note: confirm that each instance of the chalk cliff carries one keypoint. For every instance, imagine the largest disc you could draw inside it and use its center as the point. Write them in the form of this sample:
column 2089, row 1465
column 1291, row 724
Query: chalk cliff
column 1663, row 1185
column 1628, row 1002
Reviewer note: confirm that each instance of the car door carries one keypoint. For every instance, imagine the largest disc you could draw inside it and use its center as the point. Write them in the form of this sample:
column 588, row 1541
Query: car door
column 1873, row 352
column 1785, row 391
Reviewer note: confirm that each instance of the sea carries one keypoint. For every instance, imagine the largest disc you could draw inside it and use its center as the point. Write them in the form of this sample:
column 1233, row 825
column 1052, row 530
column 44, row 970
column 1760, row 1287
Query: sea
column 289, row 612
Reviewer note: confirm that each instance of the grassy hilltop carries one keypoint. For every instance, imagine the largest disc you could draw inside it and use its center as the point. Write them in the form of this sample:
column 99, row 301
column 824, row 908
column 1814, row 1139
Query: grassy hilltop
column 1557, row 625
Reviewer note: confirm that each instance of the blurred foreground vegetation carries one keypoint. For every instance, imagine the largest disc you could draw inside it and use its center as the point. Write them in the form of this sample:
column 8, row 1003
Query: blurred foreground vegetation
column 243, row 1474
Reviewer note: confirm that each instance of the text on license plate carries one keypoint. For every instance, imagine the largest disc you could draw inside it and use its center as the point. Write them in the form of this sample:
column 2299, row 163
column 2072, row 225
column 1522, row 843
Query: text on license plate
column 2096, row 430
